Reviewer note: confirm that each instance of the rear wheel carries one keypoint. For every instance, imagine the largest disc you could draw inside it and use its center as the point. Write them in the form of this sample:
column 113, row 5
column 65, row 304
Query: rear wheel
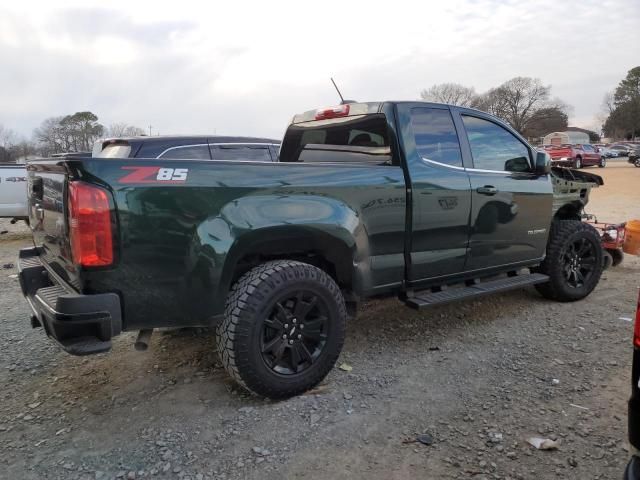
column 574, row 261
column 283, row 329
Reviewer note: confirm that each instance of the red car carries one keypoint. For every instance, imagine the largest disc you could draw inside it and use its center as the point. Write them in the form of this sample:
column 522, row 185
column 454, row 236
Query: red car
column 575, row 156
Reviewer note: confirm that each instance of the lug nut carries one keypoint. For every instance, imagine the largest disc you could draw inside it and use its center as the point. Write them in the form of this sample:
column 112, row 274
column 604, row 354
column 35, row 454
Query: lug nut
column 290, row 342
column 295, row 320
column 286, row 325
column 299, row 336
column 301, row 326
column 284, row 336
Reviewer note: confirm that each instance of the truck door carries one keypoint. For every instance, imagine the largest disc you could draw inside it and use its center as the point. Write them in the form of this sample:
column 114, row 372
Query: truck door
column 511, row 206
column 439, row 191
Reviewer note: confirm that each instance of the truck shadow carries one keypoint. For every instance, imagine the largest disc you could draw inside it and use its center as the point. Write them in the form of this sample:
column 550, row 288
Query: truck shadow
column 182, row 366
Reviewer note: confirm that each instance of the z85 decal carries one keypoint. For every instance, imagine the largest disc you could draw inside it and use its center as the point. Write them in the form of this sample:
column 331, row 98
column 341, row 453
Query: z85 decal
column 163, row 175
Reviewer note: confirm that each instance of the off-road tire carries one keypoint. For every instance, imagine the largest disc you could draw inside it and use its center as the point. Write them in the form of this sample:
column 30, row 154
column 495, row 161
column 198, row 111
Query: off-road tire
column 563, row 234
column 250, row 302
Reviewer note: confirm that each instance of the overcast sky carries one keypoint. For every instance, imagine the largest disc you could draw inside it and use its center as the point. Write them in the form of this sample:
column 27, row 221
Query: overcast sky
column 246, row 67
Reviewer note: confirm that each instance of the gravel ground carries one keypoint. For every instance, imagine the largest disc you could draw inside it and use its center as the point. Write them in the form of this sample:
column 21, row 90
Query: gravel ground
column 478, row 378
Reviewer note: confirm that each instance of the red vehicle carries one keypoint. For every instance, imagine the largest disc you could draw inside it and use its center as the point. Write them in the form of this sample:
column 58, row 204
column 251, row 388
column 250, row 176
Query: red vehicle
column 612, row 237
column 575, row 156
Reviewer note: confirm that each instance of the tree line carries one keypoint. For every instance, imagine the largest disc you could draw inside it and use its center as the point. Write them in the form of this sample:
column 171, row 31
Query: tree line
column 528, row 106
column 622, row 107
column 68, row 133
column 524, row 102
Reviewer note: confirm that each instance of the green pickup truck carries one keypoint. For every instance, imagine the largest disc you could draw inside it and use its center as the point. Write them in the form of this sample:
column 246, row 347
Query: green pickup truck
column 427, row 202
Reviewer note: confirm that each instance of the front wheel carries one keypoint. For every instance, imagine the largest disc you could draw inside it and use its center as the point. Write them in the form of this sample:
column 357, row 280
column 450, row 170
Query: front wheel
column 603, row 162
column 283, row 330
column 574, row 261
column 577, row 163
column 637, row 162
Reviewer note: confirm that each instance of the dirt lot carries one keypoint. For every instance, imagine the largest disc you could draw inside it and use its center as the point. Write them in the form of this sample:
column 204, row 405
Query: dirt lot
column 479, row 377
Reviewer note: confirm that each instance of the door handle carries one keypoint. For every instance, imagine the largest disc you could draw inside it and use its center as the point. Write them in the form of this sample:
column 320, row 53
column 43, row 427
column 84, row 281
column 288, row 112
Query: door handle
column 487, row 190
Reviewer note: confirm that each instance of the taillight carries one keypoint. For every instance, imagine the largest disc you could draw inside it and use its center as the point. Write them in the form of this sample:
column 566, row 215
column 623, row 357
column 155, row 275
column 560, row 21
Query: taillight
column 332, row 112
column 636, row 333
column 90, row 225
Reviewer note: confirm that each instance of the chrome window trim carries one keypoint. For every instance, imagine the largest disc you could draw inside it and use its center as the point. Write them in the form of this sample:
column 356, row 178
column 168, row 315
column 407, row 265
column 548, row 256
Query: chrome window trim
column 440, row 164
column 479, row 170
column 243, row 143
column 506, row 172
column 213, row 144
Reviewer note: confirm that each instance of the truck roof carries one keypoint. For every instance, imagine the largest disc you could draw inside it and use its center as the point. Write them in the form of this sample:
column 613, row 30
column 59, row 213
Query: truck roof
column 361, row 108
column 177, row 139
column 154, row 146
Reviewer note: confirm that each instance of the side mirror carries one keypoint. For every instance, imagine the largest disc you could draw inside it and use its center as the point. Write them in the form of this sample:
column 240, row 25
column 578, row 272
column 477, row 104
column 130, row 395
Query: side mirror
column 543, row 163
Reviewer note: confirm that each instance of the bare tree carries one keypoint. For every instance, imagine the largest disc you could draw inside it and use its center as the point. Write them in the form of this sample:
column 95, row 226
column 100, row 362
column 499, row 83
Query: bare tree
column 7, row 137
column 71, row 133
column 608, row 103
column 121, row 129
column 518, row 100
column 7, row 142
column 51, row 137
column 451, row 93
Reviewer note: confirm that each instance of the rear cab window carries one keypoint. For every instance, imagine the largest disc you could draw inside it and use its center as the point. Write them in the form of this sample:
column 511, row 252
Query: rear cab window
column 112, row 150
column 347, row 139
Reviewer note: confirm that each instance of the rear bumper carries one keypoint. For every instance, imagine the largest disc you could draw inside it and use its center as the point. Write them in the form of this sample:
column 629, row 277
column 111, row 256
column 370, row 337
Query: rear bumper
column 81, row 324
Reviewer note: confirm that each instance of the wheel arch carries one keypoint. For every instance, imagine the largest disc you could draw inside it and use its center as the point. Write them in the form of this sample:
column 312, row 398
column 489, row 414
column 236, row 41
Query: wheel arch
column 333, row 252
column 569, row 211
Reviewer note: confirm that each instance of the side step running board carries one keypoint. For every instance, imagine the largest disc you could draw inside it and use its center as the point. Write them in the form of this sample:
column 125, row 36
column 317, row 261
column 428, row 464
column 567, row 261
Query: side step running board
column 428, row 298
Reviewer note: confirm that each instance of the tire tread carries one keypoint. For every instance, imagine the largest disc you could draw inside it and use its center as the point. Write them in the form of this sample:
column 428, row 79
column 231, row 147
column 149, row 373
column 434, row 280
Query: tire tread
column 242, row 305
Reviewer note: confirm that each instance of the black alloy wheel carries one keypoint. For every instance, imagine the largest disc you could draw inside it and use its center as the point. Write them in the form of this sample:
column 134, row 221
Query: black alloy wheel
column 579, row 262
column 295, row 333
column 574, row 262
column 283, row 328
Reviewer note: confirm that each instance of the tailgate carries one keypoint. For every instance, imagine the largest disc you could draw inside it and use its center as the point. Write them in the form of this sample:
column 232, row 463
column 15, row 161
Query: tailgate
column 47, row 188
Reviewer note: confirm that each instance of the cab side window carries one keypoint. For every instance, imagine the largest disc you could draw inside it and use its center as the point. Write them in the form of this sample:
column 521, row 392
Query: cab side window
column 436, row 136
column 193, row 152
column 495, row 148
column 250, row 153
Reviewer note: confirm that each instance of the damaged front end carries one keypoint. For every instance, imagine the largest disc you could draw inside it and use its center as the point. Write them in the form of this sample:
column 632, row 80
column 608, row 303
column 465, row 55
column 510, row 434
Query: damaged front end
column 571, row 190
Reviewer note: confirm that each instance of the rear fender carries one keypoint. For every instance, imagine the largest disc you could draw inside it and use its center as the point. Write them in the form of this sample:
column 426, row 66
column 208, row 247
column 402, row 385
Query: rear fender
column 257, row 228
